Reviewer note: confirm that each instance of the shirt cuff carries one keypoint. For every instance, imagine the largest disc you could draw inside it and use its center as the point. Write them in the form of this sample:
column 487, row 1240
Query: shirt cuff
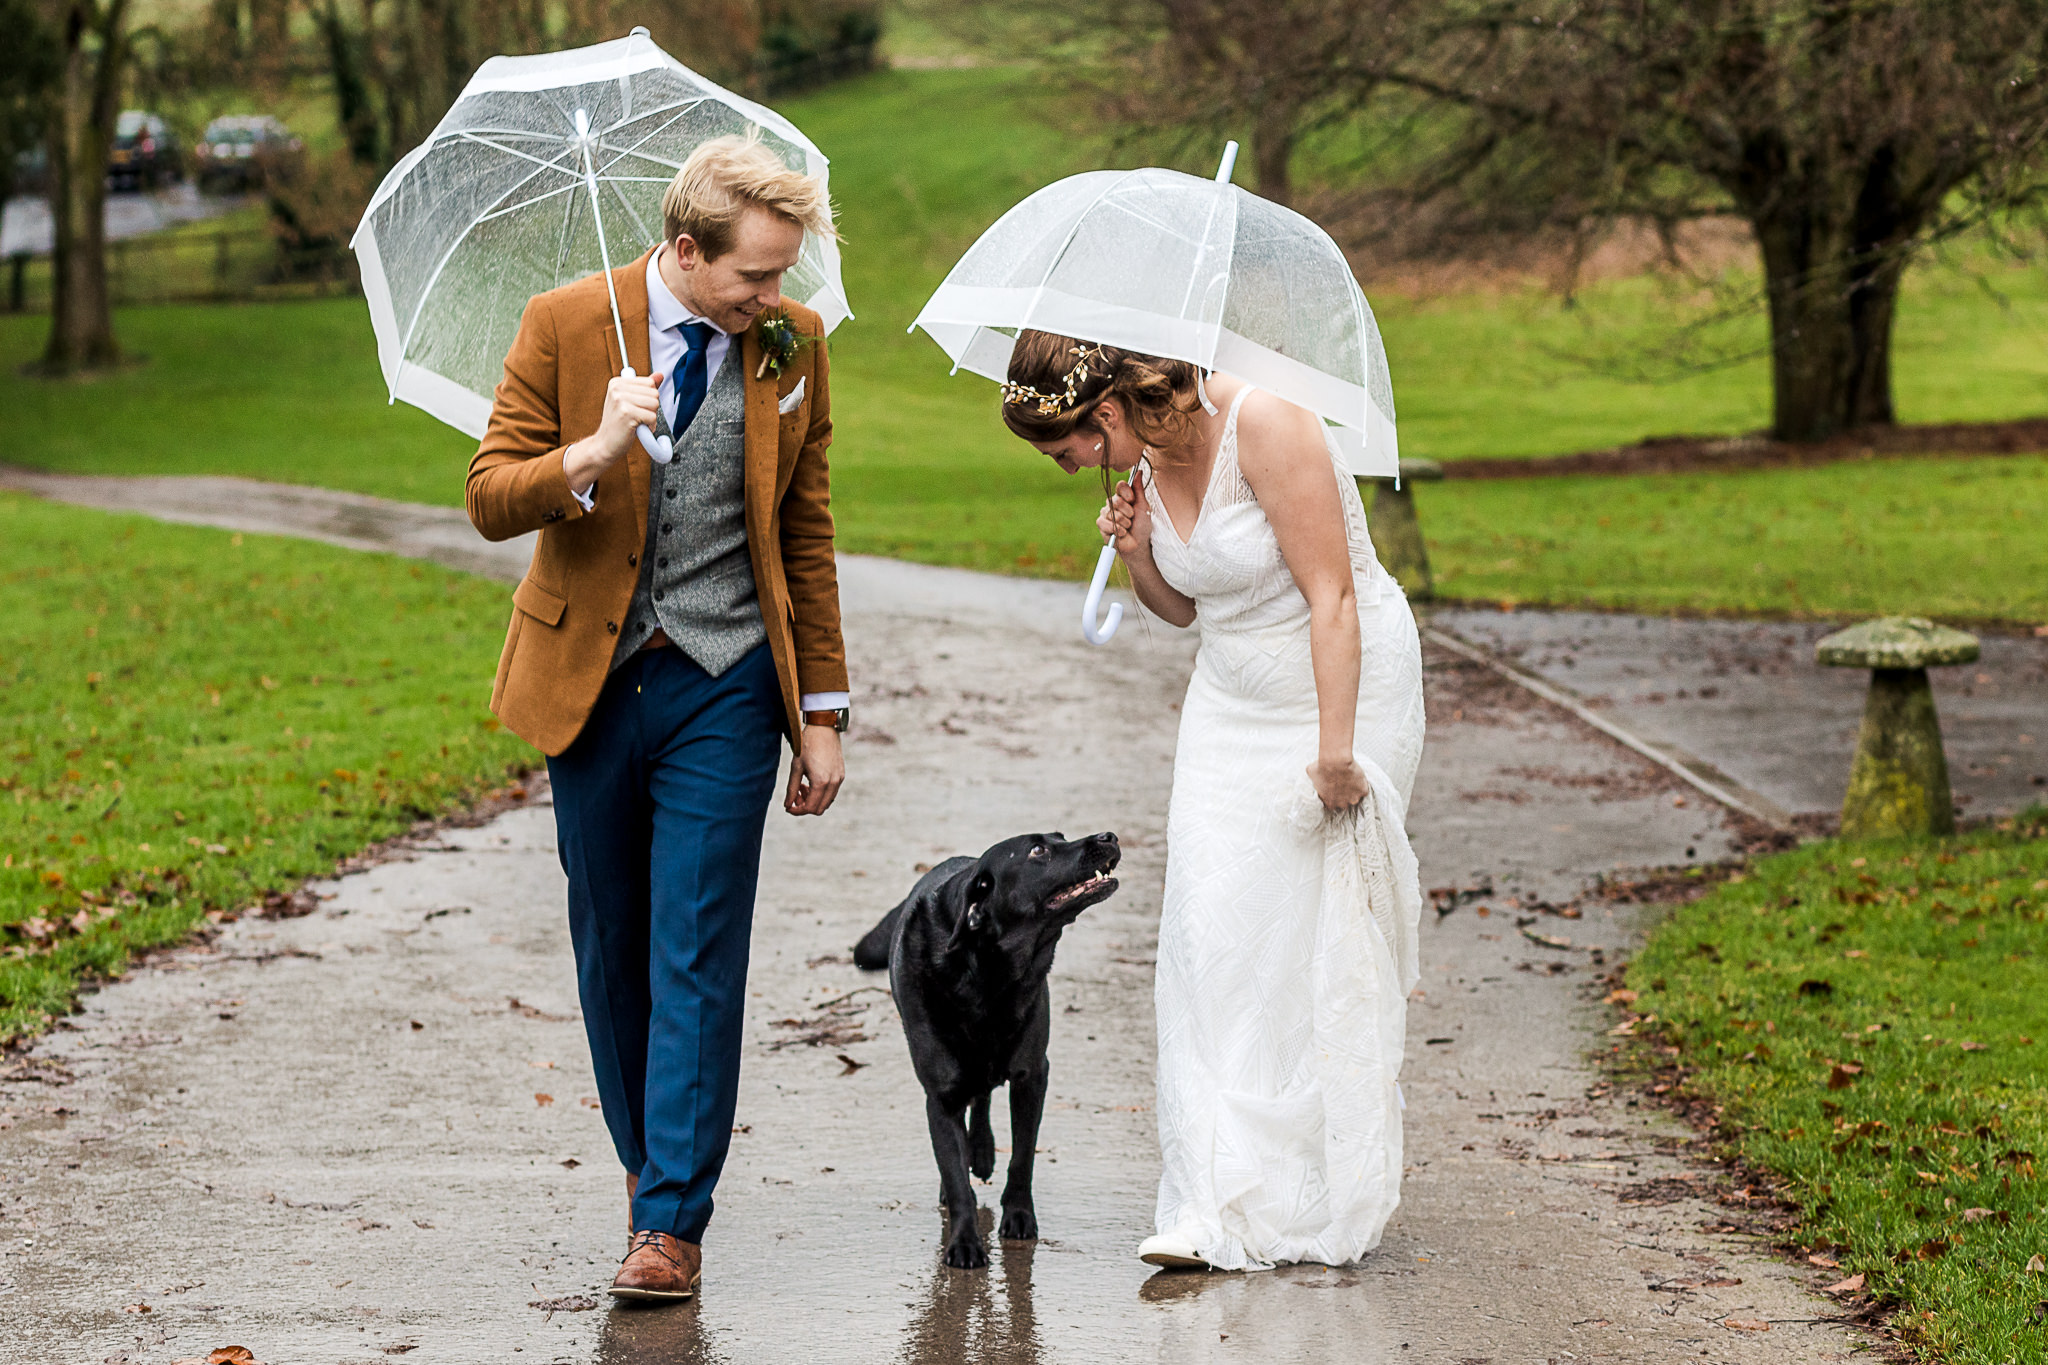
column 825, row 701
column 587, row 498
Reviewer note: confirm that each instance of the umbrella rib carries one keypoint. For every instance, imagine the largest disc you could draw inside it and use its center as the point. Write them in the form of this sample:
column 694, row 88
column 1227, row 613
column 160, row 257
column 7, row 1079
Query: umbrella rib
column 570, row 188
column 1072, row 233
column 631, row 212
column 1202, row 248
column 553, row 163
column 427, row 290
column 634, row 149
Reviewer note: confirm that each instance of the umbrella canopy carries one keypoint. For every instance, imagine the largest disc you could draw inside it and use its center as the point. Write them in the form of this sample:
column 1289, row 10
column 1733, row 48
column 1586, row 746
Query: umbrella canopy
column 1173, row 265
column 544, row 170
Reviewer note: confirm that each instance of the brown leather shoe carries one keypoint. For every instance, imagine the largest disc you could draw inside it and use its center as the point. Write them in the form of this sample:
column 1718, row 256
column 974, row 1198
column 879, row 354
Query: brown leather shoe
column 660, row 1269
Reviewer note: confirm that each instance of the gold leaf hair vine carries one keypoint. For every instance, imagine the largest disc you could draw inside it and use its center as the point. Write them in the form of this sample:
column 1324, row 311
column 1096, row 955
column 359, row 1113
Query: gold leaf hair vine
column 1051, row 404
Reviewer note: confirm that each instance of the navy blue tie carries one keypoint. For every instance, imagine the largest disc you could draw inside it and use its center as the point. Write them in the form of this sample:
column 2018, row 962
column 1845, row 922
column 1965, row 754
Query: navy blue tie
column 690, row 377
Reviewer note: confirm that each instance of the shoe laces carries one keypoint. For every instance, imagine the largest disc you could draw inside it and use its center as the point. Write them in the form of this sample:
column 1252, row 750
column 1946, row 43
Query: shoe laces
column 648, row 1237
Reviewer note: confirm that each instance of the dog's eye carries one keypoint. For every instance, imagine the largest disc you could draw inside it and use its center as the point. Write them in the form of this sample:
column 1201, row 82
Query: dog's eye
column 1037, row 851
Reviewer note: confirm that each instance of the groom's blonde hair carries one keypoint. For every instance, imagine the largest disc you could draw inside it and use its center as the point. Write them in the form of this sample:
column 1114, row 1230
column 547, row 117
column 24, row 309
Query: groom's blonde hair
column 725, row 177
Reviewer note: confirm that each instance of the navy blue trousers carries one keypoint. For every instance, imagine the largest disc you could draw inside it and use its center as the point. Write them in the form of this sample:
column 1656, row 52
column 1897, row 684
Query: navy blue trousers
column 659, row 806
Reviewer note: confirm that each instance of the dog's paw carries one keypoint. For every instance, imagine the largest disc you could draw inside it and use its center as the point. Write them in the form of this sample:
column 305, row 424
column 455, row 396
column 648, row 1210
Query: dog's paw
column 1019, row 1225
column 967, row 1254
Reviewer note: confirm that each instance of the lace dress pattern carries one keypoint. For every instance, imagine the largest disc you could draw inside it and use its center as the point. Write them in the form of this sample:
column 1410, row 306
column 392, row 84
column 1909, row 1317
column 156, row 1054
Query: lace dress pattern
column 1287, row 941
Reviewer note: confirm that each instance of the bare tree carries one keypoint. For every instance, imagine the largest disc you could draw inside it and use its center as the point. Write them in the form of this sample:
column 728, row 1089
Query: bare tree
column 1180, row 76
column 1849, row 134
column 92, row 51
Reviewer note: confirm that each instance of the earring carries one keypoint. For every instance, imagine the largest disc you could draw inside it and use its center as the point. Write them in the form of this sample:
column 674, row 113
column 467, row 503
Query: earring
column 1098, row 447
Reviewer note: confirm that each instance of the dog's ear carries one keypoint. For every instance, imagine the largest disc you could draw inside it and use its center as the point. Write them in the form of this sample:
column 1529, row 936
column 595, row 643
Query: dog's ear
column 972, row 917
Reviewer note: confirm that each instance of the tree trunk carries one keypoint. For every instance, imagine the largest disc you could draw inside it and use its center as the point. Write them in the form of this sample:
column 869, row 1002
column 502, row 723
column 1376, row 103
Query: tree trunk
column 1832, row 265
column 80, row 132
column 1273, row 150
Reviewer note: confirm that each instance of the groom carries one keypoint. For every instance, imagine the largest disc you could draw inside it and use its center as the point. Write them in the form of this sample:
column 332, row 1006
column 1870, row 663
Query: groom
column 678, row 622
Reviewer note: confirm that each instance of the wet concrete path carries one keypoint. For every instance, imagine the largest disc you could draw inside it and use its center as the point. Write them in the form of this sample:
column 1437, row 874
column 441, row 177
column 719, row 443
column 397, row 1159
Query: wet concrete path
column 1747, row 698
column 325, row 1138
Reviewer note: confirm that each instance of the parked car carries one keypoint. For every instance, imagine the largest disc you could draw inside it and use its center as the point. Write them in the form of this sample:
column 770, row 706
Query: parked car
column 145, row 153
column 238, row 151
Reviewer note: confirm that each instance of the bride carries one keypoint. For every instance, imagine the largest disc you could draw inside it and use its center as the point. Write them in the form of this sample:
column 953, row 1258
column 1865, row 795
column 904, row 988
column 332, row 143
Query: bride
column 1287, row 940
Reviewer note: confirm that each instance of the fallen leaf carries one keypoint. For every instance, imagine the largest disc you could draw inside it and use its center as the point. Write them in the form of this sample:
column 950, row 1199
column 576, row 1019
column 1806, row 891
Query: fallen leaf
column 232, row 1355
column 1929, row 1176
column 574, row 1303
column 1547, row 940
column 144, row 1308
column 1621, row 997
column 417, row 1026
column 1844, row 1075
column 850, row 1064
column 1978, row 1215
column 1746, row 1324
column 570, row 1163
column 1852, row 1285
column 1855, row 952
column 1824, row 1262
column 1719, row 1284
column 2036, row 1265
column 1974, row 1047
column 542, row 1100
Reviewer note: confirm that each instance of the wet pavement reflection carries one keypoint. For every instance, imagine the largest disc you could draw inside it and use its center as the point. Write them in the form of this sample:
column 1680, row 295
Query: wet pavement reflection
column 986, row 1316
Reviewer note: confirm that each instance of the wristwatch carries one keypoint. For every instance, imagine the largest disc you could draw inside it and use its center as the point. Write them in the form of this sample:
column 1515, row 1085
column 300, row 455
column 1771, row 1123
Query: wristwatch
column 838, row 719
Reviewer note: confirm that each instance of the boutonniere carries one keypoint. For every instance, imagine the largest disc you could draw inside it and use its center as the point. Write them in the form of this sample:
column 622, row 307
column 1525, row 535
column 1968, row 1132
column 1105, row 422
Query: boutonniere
column 781, row 342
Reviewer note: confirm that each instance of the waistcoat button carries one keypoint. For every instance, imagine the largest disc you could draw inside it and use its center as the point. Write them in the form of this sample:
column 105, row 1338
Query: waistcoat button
column 612, row 626
column 668, row 493
column 632, row 561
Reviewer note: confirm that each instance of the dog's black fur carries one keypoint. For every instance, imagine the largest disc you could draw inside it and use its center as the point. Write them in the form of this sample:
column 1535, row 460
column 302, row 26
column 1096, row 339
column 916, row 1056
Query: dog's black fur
column 968, row 952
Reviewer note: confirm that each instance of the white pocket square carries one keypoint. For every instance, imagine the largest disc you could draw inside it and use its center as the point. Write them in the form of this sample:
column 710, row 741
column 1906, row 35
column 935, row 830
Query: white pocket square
column 796, row 395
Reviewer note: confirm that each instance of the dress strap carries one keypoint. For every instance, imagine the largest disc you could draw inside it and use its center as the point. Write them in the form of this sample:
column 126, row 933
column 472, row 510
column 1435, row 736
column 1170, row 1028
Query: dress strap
column 1226, row 484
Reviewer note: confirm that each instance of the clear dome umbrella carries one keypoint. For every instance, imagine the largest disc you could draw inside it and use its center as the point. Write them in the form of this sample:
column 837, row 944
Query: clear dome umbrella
column 1173, row 265
column 545, row 169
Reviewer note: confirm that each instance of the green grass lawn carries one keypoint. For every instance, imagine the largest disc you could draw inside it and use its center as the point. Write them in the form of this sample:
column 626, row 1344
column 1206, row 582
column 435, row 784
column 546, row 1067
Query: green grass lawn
column 922, row 162
column 190, row 718
column 1872, row 1018
column 1952, row 538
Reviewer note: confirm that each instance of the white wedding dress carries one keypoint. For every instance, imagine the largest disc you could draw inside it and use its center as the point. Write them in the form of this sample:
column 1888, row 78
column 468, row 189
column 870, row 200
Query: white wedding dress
column 1287, row 945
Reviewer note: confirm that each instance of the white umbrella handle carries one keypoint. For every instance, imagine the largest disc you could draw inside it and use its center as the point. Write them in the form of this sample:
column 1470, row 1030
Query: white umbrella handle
column 660, row 449
column 1103, row 633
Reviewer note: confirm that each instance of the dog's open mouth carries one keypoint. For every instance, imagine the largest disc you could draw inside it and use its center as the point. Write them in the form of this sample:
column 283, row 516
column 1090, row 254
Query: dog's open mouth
column 1099, row 881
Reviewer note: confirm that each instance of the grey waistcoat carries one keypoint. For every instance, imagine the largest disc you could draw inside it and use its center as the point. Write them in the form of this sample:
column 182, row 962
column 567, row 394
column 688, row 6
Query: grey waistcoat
column 696, row 580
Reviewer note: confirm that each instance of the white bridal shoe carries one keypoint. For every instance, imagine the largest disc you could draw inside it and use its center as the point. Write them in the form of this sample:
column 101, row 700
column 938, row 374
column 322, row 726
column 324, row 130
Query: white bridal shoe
column 1171, row 1252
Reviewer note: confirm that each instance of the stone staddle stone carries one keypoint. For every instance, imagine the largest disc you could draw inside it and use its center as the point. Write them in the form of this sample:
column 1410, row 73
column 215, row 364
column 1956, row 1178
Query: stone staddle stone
column 1896, row 642
column 1898, row 785
column 1396, row 533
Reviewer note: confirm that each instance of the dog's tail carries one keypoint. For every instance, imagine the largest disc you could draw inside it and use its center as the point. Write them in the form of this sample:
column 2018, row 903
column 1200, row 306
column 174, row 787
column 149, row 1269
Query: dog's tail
column 872, row 952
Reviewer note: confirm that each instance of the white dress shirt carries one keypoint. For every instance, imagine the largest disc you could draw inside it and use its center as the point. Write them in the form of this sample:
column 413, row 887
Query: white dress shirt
column 665, row 348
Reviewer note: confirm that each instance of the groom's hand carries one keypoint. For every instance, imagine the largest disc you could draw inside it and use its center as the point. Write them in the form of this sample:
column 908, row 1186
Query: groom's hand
column 628, row 404
column 815, row 776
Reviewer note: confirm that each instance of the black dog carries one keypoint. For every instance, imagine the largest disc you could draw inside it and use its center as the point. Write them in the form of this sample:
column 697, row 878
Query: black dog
column 968, row 952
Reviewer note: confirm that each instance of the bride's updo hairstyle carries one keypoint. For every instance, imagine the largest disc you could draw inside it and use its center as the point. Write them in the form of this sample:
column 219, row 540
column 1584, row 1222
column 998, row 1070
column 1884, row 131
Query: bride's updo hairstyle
column 1055, row 381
